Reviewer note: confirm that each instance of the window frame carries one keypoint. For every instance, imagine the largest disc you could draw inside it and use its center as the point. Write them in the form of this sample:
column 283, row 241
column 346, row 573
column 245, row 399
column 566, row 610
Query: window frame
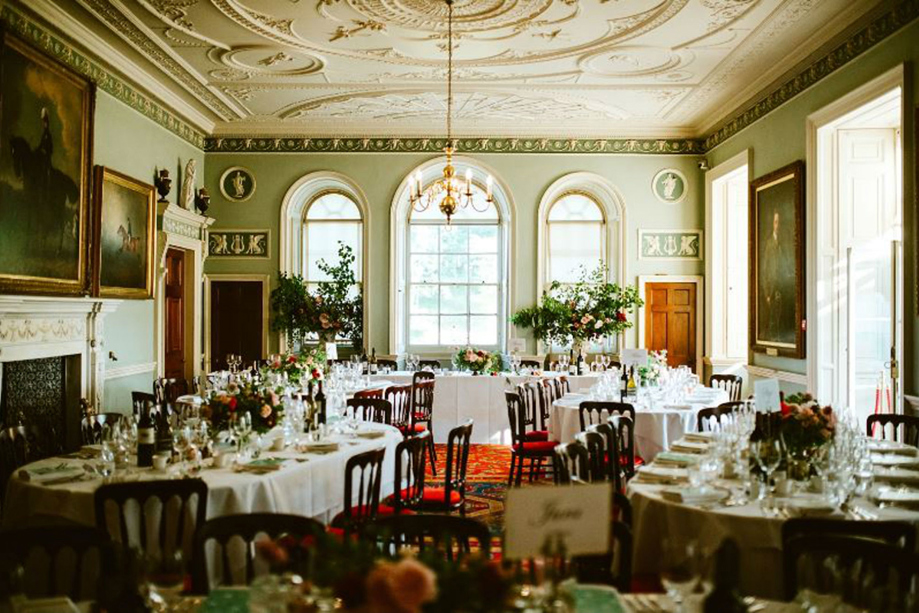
column 304, row 238
column 602, row 223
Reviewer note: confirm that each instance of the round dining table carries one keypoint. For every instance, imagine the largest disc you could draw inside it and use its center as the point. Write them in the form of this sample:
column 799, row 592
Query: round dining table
column 656, row 427
column 310, row 484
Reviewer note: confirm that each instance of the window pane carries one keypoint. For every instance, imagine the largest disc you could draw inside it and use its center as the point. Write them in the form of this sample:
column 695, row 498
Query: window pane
column 575, row 207
column 453, row 330
column 483, row 268
column 322, row 243
column 453, row 268
column 424, row 239
column 424, row 269
column 424, row 299
column 483, row 330
column 423, row 330
column 483, row 299
column 572, row 245
column 483, row 239
column 453, row 299
column 333, row 206
column 454, row 239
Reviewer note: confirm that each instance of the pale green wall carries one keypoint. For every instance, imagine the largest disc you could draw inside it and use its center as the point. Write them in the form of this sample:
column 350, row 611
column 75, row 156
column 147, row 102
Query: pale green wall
column 526, row 175
column 130, row 143
column 780, row 138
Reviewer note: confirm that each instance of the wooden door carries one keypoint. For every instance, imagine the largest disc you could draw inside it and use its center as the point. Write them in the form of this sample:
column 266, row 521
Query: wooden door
column 670, row 321
column 175, row 314
column 237, row 321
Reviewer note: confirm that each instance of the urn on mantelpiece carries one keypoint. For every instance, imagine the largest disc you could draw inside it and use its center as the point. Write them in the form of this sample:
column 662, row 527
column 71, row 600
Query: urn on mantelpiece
column 202, row 200
column 163, row 184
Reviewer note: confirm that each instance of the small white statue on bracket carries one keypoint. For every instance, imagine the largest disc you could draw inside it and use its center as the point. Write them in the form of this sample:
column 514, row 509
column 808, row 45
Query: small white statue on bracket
column 188, row 186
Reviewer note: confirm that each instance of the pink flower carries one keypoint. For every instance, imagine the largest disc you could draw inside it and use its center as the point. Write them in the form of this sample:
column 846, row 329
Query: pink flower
column 266, row 411
column 586, row 319
column 402, row 587
column 598, row 325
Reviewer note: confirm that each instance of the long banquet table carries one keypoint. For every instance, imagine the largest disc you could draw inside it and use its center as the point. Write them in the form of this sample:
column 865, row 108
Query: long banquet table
column 310, row 484
column 458, row 397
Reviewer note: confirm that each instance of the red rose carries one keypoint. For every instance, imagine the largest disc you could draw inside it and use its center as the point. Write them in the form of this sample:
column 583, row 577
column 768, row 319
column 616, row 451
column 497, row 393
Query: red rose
column 292, row 359
column 233, row 403
column 786, row 410
column 621, row 316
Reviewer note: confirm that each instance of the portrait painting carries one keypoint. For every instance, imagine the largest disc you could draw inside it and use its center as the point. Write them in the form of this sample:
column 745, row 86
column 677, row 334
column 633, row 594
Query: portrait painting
column 45, row 153
column 123, row 237
column 777, row 262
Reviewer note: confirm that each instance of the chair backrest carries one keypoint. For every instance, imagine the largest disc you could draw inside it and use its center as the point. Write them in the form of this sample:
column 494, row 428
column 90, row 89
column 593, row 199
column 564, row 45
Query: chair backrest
column 400, row 396
column 530, row 393
column 614, row 472
column 409, row 475
column 371, row 409
column 168, row 390
column 864, row 573
column 569, row 463
column 709, row 419
column 732, row 384
column 429, row 364
column 245, row 527
column 614, row 569
column 457, row 460
column 519, row 417
column 387, row 363
column 140, row 401
column 563, row 385
column 532, row 364
column 371, row 393
column 898, row 533
column 596, row 455
column 449, row 535
column 903, row 428
column 20, row 445
column 78, row 558
column 363, row 482
column 595, row 412
column 93, row 426
column 129, row 512
column 625, row 427
column 422, row 396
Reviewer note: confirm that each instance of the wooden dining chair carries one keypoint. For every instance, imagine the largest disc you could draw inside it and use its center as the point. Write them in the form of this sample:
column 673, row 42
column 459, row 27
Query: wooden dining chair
column 422, row 410
column 530, row 393
column 452, row 496
column 591, row 411
column 570, row 462
column 23, row 444
column 371, row 393
column 628, row 459
column 522, row 420
column 92, row 427
column 531, row 364
column 897, row 533
column 432, row 364
column 371, row 409
column 613, row 569
column 451, row 536
column 400, row 397
column 732, row 384
column 895, row 427
column 363, row 484
column 708, row 418
column 387, row 363
column 409, row 489
column 614, row 471
column 245, row 528
column 596, row 454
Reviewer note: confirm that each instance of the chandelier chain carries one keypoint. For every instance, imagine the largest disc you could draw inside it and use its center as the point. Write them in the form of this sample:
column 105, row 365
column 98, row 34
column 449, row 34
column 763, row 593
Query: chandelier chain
column 450, row 73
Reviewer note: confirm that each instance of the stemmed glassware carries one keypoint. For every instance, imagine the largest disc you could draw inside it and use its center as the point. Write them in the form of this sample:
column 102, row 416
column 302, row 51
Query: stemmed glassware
column 681, row 570
column 768, row 453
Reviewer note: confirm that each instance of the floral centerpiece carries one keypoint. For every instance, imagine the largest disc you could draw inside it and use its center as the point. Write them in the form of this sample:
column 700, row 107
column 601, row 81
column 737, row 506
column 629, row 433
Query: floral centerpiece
column 805, row 428
column 476, row 360
column 223, row 408
column 587, row 310
column 656, row 367
column 297, row 367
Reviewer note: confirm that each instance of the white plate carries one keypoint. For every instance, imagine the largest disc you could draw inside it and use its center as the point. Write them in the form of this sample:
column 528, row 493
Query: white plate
column 898, row 496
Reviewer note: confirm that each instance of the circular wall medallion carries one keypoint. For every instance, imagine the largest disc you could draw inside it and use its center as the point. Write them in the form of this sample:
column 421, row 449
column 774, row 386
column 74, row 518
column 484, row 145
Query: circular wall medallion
column 669, row 185
column 237, row 184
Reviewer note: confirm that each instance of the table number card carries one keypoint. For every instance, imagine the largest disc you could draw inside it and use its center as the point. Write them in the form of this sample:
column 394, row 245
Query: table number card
column 331, row 351
column 766, row 395
column 633, row 357
column 580, row 515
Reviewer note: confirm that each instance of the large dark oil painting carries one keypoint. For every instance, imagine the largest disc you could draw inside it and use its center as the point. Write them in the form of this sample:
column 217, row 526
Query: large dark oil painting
column 777, row 262
column 45, row 152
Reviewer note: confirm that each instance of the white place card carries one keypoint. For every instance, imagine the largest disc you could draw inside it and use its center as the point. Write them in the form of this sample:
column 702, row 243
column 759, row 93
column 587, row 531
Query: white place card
column 331, row 351
column 766, row 395
column 517, row 345
column 633, row 357
column 581, row 515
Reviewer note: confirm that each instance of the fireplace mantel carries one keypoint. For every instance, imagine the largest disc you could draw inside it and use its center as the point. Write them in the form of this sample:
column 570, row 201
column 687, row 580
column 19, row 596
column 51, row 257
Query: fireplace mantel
column 33, row 327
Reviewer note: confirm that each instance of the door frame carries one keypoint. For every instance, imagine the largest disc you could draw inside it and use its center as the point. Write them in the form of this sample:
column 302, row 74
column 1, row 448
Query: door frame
column 265, row 280
column 699, row 281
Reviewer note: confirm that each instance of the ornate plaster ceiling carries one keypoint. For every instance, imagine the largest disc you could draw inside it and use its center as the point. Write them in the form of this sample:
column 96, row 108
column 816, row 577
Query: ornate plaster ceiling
column 570, row 68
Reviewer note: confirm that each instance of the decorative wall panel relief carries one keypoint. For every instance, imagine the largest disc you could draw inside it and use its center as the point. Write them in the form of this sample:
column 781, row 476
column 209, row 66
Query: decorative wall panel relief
column 670, row 245
column 669, row 186
column 239, row 244
column 237, row 184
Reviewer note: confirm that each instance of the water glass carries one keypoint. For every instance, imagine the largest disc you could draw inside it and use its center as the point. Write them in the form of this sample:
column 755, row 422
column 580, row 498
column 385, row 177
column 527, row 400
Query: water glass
column 680, row 571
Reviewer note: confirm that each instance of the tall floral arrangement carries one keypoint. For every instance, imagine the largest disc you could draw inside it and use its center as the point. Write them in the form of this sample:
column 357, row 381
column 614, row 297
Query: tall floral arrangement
column 335, row 309
column 805, row 424
column 589, row 309
column 298, row 367
column 223, row 408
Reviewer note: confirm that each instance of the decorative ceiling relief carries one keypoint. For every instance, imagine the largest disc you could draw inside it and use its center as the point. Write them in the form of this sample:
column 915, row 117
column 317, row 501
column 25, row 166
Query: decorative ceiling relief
column 591, row 69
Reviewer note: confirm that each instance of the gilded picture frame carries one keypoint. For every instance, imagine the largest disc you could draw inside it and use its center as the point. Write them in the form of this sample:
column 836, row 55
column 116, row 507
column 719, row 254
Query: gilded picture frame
column 777, row 293
column 124, row 235
column 46, row 127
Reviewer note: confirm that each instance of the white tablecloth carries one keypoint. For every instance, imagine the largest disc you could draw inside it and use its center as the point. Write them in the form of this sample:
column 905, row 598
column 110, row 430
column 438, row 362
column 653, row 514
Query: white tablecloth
column 655, row 430
column 314, row 488
column 458, row 397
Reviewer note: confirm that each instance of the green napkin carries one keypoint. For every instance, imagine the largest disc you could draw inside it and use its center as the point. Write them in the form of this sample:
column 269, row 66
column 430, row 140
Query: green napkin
column 226, row 601
column 672, row 457
column 266, row 462
column 595, row 599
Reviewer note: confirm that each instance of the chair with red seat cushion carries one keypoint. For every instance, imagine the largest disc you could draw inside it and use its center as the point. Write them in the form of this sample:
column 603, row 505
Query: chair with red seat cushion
column 530, row 394
column 522, row 418
column 569, row 463
column 423, row 409
column 611, row 447
column 400, row 397
column 451, row 536
column 409, row 475
column 595, row 412
column 452, row 497
column 377, row 410
column 363, row 501
column 628, row 460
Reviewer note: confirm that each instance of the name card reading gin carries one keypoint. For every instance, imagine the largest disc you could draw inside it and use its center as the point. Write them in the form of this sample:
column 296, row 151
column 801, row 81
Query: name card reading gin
column 578, row 516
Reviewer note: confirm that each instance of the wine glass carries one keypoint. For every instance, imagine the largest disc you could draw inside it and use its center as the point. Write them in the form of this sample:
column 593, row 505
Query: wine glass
column 768, row 454
column 680, row 571
column 165, row 579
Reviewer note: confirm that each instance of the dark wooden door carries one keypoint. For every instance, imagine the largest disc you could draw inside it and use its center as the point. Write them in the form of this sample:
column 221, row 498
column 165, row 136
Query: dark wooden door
column 670, row 321
column 175, row 314
column 237, row 321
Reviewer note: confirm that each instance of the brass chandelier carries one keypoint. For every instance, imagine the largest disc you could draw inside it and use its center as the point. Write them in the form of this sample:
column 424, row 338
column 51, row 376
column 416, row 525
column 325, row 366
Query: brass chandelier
column 450, row 190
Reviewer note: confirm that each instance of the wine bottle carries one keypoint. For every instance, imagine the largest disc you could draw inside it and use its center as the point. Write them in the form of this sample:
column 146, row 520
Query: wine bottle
column 373, row 361
column 581, row 363
column 725, row 596
column 632, row 386
column 164, row 430
column 146, row 439
column 320, row 402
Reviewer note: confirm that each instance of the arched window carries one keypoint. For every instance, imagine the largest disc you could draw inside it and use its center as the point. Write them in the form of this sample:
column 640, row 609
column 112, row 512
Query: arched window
column 451, row 280
column 331, row 217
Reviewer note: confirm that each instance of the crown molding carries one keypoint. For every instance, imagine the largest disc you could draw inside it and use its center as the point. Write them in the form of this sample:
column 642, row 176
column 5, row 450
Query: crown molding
column 104, row 78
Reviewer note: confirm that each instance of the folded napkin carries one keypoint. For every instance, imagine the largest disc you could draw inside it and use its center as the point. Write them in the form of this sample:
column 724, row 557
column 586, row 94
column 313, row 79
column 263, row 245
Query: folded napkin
column 370, row 433
column 673, row 458
column 262, row 465
column 694, row 495
column 896, row 475
column 687, row 446
column 60, row 472
column 702, row 437
column 894, row 447
column 662, row 474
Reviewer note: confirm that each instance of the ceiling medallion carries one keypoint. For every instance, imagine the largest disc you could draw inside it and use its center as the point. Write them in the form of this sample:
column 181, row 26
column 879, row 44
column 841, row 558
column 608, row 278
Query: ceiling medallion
column 468, row 15
column 451, row 192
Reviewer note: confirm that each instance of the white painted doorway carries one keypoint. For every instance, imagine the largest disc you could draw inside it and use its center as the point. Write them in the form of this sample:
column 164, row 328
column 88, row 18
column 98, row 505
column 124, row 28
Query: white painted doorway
column 856, row 178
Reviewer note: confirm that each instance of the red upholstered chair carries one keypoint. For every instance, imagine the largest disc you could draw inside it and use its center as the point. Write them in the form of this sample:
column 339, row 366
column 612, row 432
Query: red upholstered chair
column 531, row 395
column 423, row 410
column 400, row 397
column 409, row 476
column 362, row 503
column 452, row 496
column 522, row 421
